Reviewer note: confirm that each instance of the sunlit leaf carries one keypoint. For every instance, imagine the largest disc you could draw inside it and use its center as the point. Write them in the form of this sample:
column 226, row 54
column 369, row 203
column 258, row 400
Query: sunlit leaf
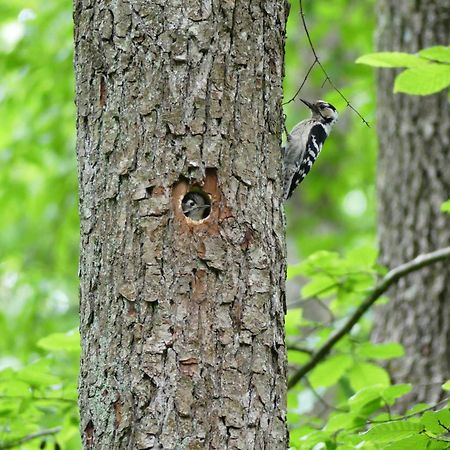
column 341, row 421
column 391, row 59
column 438, row 53
column 364, row 256
column 330, row 371
column 365, row 374
column 296, row 357
column 423, row 80
column 319, row 286
column 393, row 431
column 435, row 421
column 293, row 321
column 38, row 375
column 365, row 395
column 69, row 342
column 380, row 351
column 445, row 207
column 392, row 393
column 415, row 442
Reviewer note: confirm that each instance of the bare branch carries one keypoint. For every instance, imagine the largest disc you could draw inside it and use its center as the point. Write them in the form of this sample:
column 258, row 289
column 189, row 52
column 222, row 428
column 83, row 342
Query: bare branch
column 389, row 279
column 303, row 83
column 30, row 437
column 327, row 77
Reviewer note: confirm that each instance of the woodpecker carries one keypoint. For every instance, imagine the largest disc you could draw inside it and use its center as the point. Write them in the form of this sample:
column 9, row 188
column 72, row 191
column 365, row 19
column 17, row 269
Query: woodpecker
column 194, row 206
column 305, row 142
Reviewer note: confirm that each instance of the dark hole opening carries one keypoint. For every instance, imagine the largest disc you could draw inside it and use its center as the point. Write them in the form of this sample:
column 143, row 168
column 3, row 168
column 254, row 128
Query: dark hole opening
column 196, row 205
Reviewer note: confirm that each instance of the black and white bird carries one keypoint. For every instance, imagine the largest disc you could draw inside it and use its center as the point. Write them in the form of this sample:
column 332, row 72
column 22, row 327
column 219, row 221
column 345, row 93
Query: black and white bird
column 305, row 142
column 195, row 206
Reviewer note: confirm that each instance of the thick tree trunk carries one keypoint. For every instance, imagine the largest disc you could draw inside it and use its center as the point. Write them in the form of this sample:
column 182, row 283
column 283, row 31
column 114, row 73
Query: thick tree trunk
column 413, row 181
column 181, row 321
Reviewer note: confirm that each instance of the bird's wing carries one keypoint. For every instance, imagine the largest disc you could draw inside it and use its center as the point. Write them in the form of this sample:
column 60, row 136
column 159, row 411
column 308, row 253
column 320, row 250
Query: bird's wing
column 316, row 138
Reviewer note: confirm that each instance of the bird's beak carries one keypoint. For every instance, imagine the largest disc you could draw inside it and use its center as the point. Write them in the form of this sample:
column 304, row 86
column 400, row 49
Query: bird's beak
column 308, row 104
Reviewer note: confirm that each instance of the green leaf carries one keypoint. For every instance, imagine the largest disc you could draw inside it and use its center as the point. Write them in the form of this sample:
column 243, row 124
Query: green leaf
column 69, row 342
column 393, row 431
column 319, row 286
column 330, row 371
column 391, row 59
column 320, row 262
column 431, row 419
column 445, row 207
column 380, row 351
column 296, row 357
column 365, row 374
column 340, row 421
column 294, row 318
column 392, row 393
column 416, row 442
column 446, row 386
column 365, row 396
column 438, row 53
column 365, row 256
column 38, row 375
column 423, row 80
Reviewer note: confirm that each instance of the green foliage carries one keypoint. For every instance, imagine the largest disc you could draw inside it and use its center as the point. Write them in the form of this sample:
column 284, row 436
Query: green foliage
column 427, row 72
column 42, row 396
column 38, row 189
column 445, row 207
column 345, row 401
column 39, row 224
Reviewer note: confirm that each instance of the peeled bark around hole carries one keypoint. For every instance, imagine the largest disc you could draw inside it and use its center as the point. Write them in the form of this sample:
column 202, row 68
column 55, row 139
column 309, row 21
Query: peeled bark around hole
column 413, row 181
column 182, row 322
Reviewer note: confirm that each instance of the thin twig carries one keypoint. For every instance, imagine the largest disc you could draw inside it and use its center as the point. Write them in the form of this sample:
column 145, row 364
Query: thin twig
column 389, row 279
column 417, row 413
column 327, row 77
column 30, row 437
column 303, row 83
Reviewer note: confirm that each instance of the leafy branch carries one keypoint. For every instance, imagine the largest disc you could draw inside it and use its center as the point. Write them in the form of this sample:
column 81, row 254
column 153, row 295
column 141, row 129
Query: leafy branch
column 327, row 77
column 414, row 414
column 427, row 72
column 389, row 279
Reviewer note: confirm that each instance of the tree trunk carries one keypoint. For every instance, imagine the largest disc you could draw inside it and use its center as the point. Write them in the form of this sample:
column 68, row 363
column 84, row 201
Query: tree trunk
column 413, row 181
column 181, row 320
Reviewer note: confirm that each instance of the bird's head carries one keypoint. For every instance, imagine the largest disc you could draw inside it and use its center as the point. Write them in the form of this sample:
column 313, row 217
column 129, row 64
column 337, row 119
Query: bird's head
column 323, row 111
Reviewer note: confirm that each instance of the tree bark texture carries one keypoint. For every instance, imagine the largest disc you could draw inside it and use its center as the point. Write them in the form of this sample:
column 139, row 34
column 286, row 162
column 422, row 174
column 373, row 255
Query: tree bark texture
column 413, row 181
column 182, row 322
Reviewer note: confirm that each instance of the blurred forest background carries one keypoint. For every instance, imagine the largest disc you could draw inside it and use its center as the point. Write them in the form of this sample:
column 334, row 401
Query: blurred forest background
column 332, row 212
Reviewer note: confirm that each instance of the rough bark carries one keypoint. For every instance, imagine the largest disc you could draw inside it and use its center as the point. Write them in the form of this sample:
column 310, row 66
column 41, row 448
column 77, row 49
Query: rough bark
column 413, row 181
column 181, row 321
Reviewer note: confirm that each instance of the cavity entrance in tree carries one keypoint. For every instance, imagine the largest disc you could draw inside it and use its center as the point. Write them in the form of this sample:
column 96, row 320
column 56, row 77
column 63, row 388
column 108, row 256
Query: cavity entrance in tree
column 196, row 205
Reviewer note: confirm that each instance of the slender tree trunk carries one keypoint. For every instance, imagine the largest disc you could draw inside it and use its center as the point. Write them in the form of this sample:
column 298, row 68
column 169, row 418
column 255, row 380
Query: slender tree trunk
column 413, row 181
column 181, row 321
